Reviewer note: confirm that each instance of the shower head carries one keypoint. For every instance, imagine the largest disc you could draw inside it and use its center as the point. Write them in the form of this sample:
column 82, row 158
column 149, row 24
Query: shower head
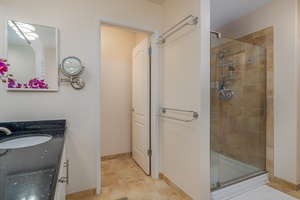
column 221, row 54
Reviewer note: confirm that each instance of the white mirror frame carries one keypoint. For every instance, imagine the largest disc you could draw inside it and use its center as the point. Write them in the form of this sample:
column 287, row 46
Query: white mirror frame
column 54, row 76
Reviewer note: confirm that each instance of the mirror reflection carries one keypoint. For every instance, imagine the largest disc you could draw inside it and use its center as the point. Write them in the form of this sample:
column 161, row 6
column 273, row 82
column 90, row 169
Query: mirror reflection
column 32, row 54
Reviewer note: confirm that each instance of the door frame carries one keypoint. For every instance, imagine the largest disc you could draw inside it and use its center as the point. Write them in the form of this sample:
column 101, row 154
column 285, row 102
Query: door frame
column 154, row 94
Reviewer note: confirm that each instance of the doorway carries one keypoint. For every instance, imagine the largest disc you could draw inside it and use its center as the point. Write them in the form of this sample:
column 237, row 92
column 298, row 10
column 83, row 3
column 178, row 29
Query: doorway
column 116, row 93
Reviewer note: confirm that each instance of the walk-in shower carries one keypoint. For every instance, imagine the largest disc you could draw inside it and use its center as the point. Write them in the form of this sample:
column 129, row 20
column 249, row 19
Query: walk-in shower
column 238, row 117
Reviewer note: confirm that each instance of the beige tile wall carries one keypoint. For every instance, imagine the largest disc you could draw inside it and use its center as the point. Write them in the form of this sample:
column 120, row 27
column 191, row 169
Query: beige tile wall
column 265, row 38
column 238, row 125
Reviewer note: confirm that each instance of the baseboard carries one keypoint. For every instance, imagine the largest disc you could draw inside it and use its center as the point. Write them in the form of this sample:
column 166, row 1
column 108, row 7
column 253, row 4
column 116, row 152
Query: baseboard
column 287, row 184
column 174, row 187
column 81, row 194
column 120, row 155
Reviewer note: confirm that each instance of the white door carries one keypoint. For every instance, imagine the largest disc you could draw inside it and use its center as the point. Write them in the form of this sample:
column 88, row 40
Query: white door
column 141, row 105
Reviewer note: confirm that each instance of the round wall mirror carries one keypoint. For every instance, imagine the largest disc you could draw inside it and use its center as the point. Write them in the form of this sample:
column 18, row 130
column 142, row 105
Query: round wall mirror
column 71, row 66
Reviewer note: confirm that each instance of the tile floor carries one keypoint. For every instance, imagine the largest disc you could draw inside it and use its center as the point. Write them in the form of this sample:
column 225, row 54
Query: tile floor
column 121, row 178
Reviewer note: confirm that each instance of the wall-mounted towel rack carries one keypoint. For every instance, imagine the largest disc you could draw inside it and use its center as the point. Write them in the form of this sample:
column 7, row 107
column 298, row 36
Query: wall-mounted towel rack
column 164, row 36
column 164, row 110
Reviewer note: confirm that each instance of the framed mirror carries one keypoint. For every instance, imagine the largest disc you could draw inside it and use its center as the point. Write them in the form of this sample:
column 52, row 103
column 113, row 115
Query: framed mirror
column 32, row 52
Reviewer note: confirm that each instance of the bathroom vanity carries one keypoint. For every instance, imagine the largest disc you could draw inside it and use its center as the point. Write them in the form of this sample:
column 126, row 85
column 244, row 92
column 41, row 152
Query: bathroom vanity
column 37, row 171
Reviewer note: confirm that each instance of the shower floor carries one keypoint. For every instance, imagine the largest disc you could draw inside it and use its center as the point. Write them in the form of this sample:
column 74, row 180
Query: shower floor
column 224, row 169
column 230, row 177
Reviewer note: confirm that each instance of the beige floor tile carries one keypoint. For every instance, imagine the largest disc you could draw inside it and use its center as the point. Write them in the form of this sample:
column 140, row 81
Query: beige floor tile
column 137, row 188
column 112, row 192
column 150, row 196
column 129, row 174
column 105, row 168
column 108, row 179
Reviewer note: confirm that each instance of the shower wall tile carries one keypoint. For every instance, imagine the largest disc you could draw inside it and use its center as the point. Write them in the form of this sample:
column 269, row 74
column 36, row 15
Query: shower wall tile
column 270, row 135
column 254, row 96
column 250, row 143
column 260, row 40
column 270, row 58
column 253, row 119
column 256, row 38
column 247, row 38
column 270, row 114
column 254, row 73
column 237, row 101
column 232, row 137
column 270, row 158
column 270, row 83
column 232, row 116
column 233, row 153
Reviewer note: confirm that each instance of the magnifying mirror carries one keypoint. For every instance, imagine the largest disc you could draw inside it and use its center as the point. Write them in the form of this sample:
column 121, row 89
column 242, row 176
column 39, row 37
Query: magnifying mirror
column 72, row 68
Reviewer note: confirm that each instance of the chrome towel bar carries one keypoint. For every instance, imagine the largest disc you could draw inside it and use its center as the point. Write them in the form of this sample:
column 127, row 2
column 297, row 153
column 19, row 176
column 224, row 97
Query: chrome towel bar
column 164, row 36
column 164, row 110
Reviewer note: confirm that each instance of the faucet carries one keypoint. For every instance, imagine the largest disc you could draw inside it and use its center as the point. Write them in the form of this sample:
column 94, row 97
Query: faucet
column 5, row 130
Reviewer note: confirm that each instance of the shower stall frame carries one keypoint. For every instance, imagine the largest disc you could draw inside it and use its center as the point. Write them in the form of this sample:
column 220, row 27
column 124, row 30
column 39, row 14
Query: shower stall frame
column 250, row 176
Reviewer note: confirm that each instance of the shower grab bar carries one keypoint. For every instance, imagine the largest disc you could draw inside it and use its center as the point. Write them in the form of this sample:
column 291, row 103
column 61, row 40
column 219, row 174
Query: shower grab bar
column 164, row 110
column 162, row 38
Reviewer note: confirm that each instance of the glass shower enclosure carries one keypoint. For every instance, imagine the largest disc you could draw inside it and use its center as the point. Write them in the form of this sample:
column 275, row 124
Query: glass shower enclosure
column 238, row 116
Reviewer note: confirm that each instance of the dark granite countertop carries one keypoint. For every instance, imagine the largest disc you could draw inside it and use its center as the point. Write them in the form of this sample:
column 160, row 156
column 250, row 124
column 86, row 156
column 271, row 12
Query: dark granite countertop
column 31, row 172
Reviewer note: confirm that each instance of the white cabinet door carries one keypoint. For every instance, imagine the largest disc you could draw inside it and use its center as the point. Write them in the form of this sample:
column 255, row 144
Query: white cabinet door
column 61, row 187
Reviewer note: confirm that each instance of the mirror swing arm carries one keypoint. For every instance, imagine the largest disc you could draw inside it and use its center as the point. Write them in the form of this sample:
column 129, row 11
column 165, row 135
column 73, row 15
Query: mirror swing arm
column 71, row 67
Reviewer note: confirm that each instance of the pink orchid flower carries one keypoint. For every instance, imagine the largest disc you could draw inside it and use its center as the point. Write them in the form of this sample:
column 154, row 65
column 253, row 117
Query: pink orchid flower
column 3, row 67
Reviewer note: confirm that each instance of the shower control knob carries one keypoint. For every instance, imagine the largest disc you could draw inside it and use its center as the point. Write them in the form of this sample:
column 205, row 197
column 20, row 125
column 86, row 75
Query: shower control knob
column 229, row 94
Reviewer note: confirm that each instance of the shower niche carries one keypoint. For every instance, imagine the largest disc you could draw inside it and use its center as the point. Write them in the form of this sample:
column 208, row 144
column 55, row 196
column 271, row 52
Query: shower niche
column 238, row 120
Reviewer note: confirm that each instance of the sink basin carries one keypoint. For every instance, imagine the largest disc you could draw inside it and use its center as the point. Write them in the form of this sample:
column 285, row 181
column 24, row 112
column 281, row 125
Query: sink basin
column 24, row 141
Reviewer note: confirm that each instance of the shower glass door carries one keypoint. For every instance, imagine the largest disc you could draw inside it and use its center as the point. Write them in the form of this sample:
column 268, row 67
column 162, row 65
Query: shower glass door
column 238, row 119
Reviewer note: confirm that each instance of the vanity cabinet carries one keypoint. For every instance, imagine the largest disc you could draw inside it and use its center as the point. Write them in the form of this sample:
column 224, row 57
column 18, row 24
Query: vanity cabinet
column 61, row 186
column 33, row 171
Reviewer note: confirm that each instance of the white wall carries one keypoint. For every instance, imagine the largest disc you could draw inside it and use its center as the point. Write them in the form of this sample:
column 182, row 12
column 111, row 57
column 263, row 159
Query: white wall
column 185, row 146
column 282, row 14
column 77, row 23
column 116, row 48
column 298, row 91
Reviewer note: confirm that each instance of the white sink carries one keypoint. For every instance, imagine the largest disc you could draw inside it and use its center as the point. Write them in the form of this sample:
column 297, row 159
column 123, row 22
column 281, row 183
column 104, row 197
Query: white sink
column 24, row 141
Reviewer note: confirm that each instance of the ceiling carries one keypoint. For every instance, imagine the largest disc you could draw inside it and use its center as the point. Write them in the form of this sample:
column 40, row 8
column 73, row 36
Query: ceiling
column 226, row 11
column 223, row 12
